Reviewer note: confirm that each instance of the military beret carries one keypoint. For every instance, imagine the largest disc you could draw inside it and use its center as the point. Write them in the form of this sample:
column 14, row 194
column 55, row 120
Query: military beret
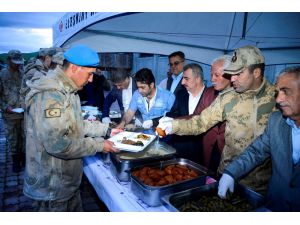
column 82, row 56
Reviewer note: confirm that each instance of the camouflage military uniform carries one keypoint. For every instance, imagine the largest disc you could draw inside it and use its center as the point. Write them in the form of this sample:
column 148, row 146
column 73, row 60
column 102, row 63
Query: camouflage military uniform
column 10, row 83
column 246, row 116
column 57, row 138
column 33, row 71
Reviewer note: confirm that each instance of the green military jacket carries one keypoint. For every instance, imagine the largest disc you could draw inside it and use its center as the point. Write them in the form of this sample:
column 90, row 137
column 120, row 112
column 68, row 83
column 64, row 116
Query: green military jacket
column 57, row 138
column 246, row 115
column 33, row 71
column 10, row 84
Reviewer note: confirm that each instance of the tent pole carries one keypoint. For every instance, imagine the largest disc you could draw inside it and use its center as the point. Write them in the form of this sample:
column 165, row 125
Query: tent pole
column 244, row 25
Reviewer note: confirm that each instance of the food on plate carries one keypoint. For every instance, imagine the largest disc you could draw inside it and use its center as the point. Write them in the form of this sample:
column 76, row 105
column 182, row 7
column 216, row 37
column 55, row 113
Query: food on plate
column 131, row 142
column 168, row 175
column 143, row 137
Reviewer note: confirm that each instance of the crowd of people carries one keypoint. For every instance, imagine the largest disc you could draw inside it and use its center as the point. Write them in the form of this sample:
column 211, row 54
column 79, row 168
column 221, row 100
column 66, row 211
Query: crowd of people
column 242, row 128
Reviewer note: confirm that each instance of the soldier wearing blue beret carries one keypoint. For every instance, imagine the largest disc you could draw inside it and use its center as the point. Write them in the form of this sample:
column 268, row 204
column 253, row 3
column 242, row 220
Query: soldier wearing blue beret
column 57, row 136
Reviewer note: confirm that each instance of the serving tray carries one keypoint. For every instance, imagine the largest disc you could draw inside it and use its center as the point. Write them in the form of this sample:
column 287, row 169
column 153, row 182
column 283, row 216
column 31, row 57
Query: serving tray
column 133, row 137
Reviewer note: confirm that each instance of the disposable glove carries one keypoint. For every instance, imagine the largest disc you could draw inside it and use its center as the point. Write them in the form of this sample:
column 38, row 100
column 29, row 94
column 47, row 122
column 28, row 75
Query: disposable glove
column 226, row 183
column 147, row 124
column 106, row 120
column 165, row 123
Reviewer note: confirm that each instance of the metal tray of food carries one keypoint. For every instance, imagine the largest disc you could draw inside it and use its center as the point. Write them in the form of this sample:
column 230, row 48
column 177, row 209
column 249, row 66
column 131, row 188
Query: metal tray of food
column 123, row 162
column 206, row 199
column 152, row 195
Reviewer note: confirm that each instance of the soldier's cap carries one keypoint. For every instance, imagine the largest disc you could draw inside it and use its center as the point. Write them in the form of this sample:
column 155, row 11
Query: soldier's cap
column 58, row 58
column 15, row 56
column 47, row 51
column 243, row 58
column 82, row 55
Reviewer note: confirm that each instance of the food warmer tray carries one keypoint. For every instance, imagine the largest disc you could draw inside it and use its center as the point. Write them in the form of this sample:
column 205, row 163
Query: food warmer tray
column 104, row 157
column 175, row 201
column 123, row 162
column 152, row 195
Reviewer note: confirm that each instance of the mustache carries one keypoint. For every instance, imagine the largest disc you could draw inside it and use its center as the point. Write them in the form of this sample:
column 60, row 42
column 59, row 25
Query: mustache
column 282, row 104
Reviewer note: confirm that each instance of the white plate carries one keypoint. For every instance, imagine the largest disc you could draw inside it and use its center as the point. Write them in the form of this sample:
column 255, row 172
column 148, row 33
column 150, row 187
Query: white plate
column 18, row 110
column 132, row 136
column 89, row 108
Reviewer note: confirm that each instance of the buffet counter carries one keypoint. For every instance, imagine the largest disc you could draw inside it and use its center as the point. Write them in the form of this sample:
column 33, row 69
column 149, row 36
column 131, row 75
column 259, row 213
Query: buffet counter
column 116, row 195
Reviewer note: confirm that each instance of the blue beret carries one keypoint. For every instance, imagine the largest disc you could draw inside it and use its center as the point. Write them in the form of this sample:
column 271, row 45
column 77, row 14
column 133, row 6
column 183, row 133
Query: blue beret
column 81, row 55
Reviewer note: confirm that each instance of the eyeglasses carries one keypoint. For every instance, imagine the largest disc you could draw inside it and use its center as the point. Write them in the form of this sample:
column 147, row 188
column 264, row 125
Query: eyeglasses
column 175, row 63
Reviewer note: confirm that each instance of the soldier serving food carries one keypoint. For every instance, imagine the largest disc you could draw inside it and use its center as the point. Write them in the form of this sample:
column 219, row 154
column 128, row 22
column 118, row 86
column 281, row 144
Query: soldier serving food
column 245, row 108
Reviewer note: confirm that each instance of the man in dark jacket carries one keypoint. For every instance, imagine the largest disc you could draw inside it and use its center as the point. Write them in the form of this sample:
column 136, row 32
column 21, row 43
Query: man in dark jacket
column 124, row 86
column 281, row 142
column 206, row 148
column 176, row 63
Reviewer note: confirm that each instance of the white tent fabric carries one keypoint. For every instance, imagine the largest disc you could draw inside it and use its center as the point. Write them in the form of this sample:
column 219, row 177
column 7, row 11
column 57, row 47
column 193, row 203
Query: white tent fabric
column 201, row 36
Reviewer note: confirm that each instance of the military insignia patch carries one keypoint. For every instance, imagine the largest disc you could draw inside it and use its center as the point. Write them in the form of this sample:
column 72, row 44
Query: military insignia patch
column 234, row 58
column 49, row 113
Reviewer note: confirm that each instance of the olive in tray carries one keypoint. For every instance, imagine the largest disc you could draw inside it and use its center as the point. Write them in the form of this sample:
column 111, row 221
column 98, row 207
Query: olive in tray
column 168, row 175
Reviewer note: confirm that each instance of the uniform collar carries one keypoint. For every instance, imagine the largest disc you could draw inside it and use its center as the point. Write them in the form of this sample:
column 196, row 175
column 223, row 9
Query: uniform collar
column 67, row 82
column 256, row 92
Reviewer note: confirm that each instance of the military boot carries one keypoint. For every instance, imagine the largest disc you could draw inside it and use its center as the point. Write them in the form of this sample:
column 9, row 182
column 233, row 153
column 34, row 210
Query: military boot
column 16, row 164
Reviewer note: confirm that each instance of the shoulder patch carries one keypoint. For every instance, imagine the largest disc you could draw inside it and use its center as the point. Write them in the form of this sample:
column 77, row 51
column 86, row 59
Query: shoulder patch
column 50, row 113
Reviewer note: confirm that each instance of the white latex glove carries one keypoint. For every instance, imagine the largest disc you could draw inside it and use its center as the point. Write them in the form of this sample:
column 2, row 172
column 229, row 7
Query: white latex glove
column 106, row 120
column 165, row 123
column 226, row 183
column 147, row 124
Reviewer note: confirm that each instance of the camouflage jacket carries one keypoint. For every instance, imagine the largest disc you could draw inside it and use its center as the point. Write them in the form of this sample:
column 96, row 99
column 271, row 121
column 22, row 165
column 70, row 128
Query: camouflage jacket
column 10, row 84
column 33, row 71
column 57, row 138
column 246, row 115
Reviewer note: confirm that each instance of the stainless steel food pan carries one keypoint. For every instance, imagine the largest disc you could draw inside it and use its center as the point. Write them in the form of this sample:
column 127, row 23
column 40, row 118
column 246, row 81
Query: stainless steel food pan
column 175, row 201
column 151, row 195
column 104, row 157
column 123, row 162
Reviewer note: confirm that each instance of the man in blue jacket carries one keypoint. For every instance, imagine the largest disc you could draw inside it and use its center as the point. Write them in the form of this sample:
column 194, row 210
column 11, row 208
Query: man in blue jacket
column 151, row 101
column 281, row 142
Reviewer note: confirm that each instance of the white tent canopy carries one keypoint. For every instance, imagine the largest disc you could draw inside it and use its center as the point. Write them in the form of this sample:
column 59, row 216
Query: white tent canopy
column 201, row 36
